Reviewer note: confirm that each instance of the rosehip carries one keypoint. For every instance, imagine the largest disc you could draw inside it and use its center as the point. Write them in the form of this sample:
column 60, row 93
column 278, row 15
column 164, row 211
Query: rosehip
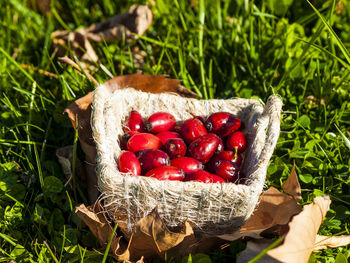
column 134, row 122
column 228, row 156
column 222, row 123
column 141, row 141
column 236, row 139
column 128, row 163
column 175, row 148
column 203, row 176
column 125, row 138
column 199, row 118
column 192, row 129
column 160, row 121
column 220, row 147
column 237, row 179
column 187, row 164
column 204, row 147
column 166, row 135
column 226, row 170
column 152, row 158
column 166, row 173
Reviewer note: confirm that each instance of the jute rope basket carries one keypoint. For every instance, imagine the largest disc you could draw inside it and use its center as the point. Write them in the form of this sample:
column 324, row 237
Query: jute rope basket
column 213, row 209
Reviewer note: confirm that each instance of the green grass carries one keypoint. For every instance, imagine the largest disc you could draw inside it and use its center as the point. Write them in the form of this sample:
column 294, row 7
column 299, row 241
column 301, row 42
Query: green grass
column 219, row 49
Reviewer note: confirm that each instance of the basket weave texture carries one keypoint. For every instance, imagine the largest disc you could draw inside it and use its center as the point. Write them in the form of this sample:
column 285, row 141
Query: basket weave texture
column 213, row 209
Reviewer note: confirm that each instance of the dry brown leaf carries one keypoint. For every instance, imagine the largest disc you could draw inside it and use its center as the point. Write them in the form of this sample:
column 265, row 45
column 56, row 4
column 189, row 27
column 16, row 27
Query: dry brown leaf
column 93, row 217
column 150, row 237
column 292, row 186
column 323, row 242
column 300, row 240
column 275, row 209
column 122, row 26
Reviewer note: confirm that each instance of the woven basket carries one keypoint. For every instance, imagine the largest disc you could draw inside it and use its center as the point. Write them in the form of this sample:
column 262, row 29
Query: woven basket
column 213, row 209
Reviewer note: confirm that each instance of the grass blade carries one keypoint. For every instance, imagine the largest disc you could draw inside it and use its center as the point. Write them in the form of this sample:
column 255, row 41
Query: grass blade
column 264, row 252
column 346, row 140
column 333, row 34
column 105, row 255
column 327, row 52
column 200, row 46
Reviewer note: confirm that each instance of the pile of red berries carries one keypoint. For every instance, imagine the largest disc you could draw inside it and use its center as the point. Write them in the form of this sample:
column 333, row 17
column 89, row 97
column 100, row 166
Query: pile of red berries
column 199, row 150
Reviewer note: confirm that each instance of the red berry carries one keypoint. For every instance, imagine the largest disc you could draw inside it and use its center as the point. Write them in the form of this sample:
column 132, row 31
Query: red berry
column 192, row 129
column 160, row 121
column 199, row 118
column 128, row 163
column 226, row 170
column 204, row 147
column 152, row 158
column 222, row 123
column 204, row 176
column 175, row 148
column 220, row 147
column 238, row 178
column 236, row 139
column 134, row 122
column 125, row 138
column 166, row 135
column 187, row 164
column 166, row 173
column 228, row 156
column 141, row 141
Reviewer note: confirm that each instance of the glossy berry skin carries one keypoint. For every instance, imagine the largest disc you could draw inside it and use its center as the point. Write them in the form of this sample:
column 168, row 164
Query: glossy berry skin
column 166, row 173
column 222, row 123
column 238, row 178
column 199, row 118
column 166, row 135
column 226, row 170
column 236, row 139
column 192, row 129
column 220, row 147
column 125, row 138
column 134, row 122
column 128, row 163
column 141, row 141
column 204, row 147
column 152, row 158
column 175, row 148
column 187, row 164
column 204, row 177
column 228, row 156
column 160, row 121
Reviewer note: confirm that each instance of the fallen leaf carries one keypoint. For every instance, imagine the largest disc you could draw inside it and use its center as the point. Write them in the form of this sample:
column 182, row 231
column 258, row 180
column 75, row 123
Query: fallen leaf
column 323, row 242
column 122, row 26
column 301, row 237
column 274, row 210
column 292, row 186
column 97, row 223
column 149, row 239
